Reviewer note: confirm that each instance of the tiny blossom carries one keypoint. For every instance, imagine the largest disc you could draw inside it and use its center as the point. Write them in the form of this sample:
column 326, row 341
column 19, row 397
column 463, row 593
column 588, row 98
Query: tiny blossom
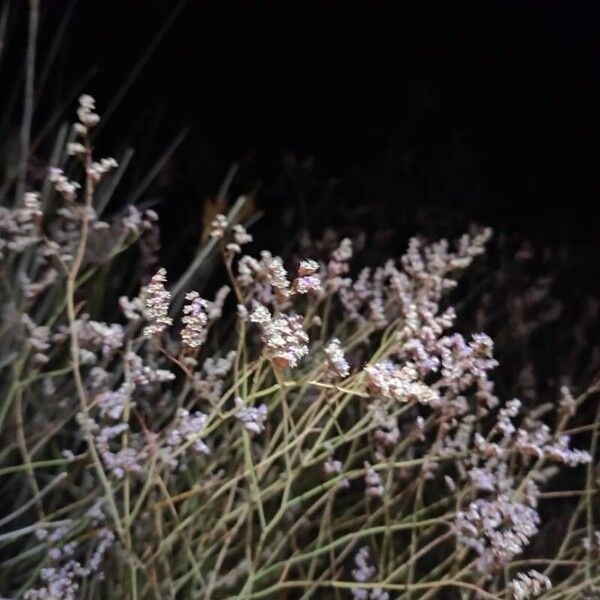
column 529, row 585
column 97, row 170
column 587, row 543
column 332, row 467
column 112, row 404
column 387, row 433
column 260, row 314
column 60, row 582
column 68, row 189
column 240, row 235
column 307, row 284
column 99, row 337
column 482, row 479
column 277, row 275
column 560, row 452
column 106, row 540
column 506, row 414
column 218, row 227
column 233, row 248
column 399, row 383
column 125, row 460
column 19, row 227
column 248, row 269
column 38, row 338
column 363, row 573
column 156, row 306
column 306, row 281
column 252, row 418
column 142, row 374
column 75, row 148
column 567, row 402
column 195, row 319
column 497, row 529
column 285, row 340
column 132, row 309
column 68, row 454
column 210, row 381
column 136, row 221
column 189, row 429
column 86, row 113
column 307, row 267
column 31, row 201
column 343, row 252
column 215, row 308
column 373, row 482
column 337, row 365
column 338, row 266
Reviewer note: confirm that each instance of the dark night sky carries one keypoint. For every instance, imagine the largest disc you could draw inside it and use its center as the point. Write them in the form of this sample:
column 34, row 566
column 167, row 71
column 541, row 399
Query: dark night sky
column 492, row 103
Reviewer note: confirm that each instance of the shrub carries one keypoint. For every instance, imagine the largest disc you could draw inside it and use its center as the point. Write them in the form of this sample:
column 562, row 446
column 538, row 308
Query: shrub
column 321, row 434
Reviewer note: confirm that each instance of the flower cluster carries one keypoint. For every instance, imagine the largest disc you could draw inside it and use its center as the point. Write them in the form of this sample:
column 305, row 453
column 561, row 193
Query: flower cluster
column 252, row 418
column 66, row 188
column 363, row 573
column 87, row 117
column 19, row 226
column 195, row 320
column 156, row 305
column 529, row 585
column 399, row 382
column 284, row 338
column 307, row 282
column 498, row 529
column 189, row 429
column 374, row 485
column 337, row 365
column 62, row 581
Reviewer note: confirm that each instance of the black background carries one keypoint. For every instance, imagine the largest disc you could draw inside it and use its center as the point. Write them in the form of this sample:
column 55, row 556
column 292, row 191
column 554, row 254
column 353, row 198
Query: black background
column 482, row 108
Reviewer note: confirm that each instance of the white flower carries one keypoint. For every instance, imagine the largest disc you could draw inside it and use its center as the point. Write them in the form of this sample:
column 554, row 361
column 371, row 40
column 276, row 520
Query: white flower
column 86, row 113
column 218, row 227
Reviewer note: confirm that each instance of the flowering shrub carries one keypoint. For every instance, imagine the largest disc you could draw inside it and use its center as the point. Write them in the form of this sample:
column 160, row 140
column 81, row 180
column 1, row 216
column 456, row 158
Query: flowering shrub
column 309, row 435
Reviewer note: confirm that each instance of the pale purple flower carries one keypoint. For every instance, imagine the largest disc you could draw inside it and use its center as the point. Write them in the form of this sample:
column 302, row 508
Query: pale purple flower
column 529, row 585
column 399, row 382
column 337, row 366
column 189, row 428
column 374, row 485
column 156, row 304
column 363, row 573
column 195, row 319
column 277, row 276
column 284, row 338
column 252, row 418
column 307, row 282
